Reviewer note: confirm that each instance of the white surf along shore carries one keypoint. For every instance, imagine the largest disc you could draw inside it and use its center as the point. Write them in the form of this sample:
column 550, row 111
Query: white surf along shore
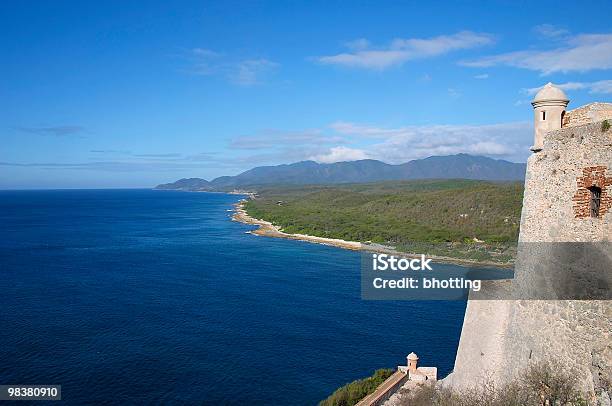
column 267, row 229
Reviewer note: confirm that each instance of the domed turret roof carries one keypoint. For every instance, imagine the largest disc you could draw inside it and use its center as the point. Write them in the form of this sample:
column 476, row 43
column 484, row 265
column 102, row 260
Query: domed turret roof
column 412, row 356
column 550, row 92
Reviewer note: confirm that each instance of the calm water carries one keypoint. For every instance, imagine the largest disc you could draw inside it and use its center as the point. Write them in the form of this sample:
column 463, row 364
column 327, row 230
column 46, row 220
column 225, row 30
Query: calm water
column 142, row 296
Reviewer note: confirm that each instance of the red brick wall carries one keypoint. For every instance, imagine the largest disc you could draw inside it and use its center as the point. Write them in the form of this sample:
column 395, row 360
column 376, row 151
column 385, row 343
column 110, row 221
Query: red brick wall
column 592, row 176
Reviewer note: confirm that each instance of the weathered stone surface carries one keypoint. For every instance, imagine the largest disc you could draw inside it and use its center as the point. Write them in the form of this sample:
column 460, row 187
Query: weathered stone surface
column 502, row 337
column 586, row 114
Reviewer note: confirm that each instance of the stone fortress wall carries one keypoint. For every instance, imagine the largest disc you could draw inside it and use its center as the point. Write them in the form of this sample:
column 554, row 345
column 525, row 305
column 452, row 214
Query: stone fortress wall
column 590, row 113
column 561, row 247
column 572, row 159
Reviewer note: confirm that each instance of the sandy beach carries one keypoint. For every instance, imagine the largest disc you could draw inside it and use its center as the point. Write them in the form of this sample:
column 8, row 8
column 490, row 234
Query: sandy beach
column 267, row 229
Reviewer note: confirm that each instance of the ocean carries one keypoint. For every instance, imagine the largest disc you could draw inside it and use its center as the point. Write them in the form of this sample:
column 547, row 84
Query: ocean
column 142, row 296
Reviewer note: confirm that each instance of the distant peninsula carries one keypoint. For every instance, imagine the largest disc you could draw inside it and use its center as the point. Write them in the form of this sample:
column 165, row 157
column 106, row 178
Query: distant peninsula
column 457, row 208
column 452, row 221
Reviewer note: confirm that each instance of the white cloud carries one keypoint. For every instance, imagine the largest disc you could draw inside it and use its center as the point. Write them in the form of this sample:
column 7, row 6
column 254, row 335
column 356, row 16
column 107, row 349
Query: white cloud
column 599, row 87
column 245, row 72
column 602, row 86
column 358, row 44
column 580, row 53
column 205, row 53
column 454, row 93
column 340, row 154
column 273, row 139
column 249, row 72
column 347, row 141
column 205, row 61
column 348, row 128
column 362, row 55
column 272, row 146
column 550, row 31
column 506, row 140
column 128, row 162
column 57, row 131
column 482, row 76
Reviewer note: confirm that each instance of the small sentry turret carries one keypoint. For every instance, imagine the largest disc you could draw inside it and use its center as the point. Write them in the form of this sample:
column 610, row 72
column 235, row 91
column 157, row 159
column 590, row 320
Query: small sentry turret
column 549, row 108
column 412, row 361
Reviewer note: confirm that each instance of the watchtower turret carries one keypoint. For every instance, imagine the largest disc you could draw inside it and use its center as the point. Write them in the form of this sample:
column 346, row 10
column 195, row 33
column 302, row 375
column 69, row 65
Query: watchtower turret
column 549, row 108
column 412, row 361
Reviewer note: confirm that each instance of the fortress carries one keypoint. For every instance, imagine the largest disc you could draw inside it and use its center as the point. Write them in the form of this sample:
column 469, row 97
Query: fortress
column 557, row 307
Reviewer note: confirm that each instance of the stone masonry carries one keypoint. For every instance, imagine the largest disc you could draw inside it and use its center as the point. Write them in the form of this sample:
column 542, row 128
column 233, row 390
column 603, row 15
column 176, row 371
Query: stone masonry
column 590, row 113
column 503, row 336
column 592, row 176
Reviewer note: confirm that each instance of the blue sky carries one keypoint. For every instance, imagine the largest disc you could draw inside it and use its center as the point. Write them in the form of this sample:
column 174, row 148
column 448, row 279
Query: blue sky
column 131, row 94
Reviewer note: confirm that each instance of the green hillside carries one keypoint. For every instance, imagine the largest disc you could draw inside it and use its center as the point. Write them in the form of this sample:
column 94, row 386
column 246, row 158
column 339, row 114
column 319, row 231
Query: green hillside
column 439, row 217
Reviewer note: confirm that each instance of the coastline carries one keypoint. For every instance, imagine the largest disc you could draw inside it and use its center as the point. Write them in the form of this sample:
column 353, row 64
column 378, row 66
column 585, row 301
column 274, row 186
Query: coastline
column 267, row 229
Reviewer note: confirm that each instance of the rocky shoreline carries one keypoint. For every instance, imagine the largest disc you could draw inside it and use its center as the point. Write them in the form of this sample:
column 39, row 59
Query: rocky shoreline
column 267, row 229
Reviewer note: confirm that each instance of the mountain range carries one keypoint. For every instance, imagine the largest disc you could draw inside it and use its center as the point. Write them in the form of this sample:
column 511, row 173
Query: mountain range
column 460, row 166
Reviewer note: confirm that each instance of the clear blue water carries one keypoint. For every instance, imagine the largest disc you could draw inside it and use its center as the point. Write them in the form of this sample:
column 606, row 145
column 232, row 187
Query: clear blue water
column 139, row 296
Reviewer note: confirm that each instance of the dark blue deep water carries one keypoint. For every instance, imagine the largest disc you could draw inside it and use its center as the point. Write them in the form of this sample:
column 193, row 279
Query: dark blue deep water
column 139, row 296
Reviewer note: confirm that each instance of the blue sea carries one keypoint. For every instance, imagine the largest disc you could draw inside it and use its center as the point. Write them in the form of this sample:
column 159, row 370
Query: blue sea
column 142, row 296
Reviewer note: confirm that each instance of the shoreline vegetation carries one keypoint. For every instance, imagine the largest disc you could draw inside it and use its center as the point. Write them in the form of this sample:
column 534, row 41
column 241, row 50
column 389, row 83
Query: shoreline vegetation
column 267, row 229
column 353, row 392
column 288, row 205
column 541, row 383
